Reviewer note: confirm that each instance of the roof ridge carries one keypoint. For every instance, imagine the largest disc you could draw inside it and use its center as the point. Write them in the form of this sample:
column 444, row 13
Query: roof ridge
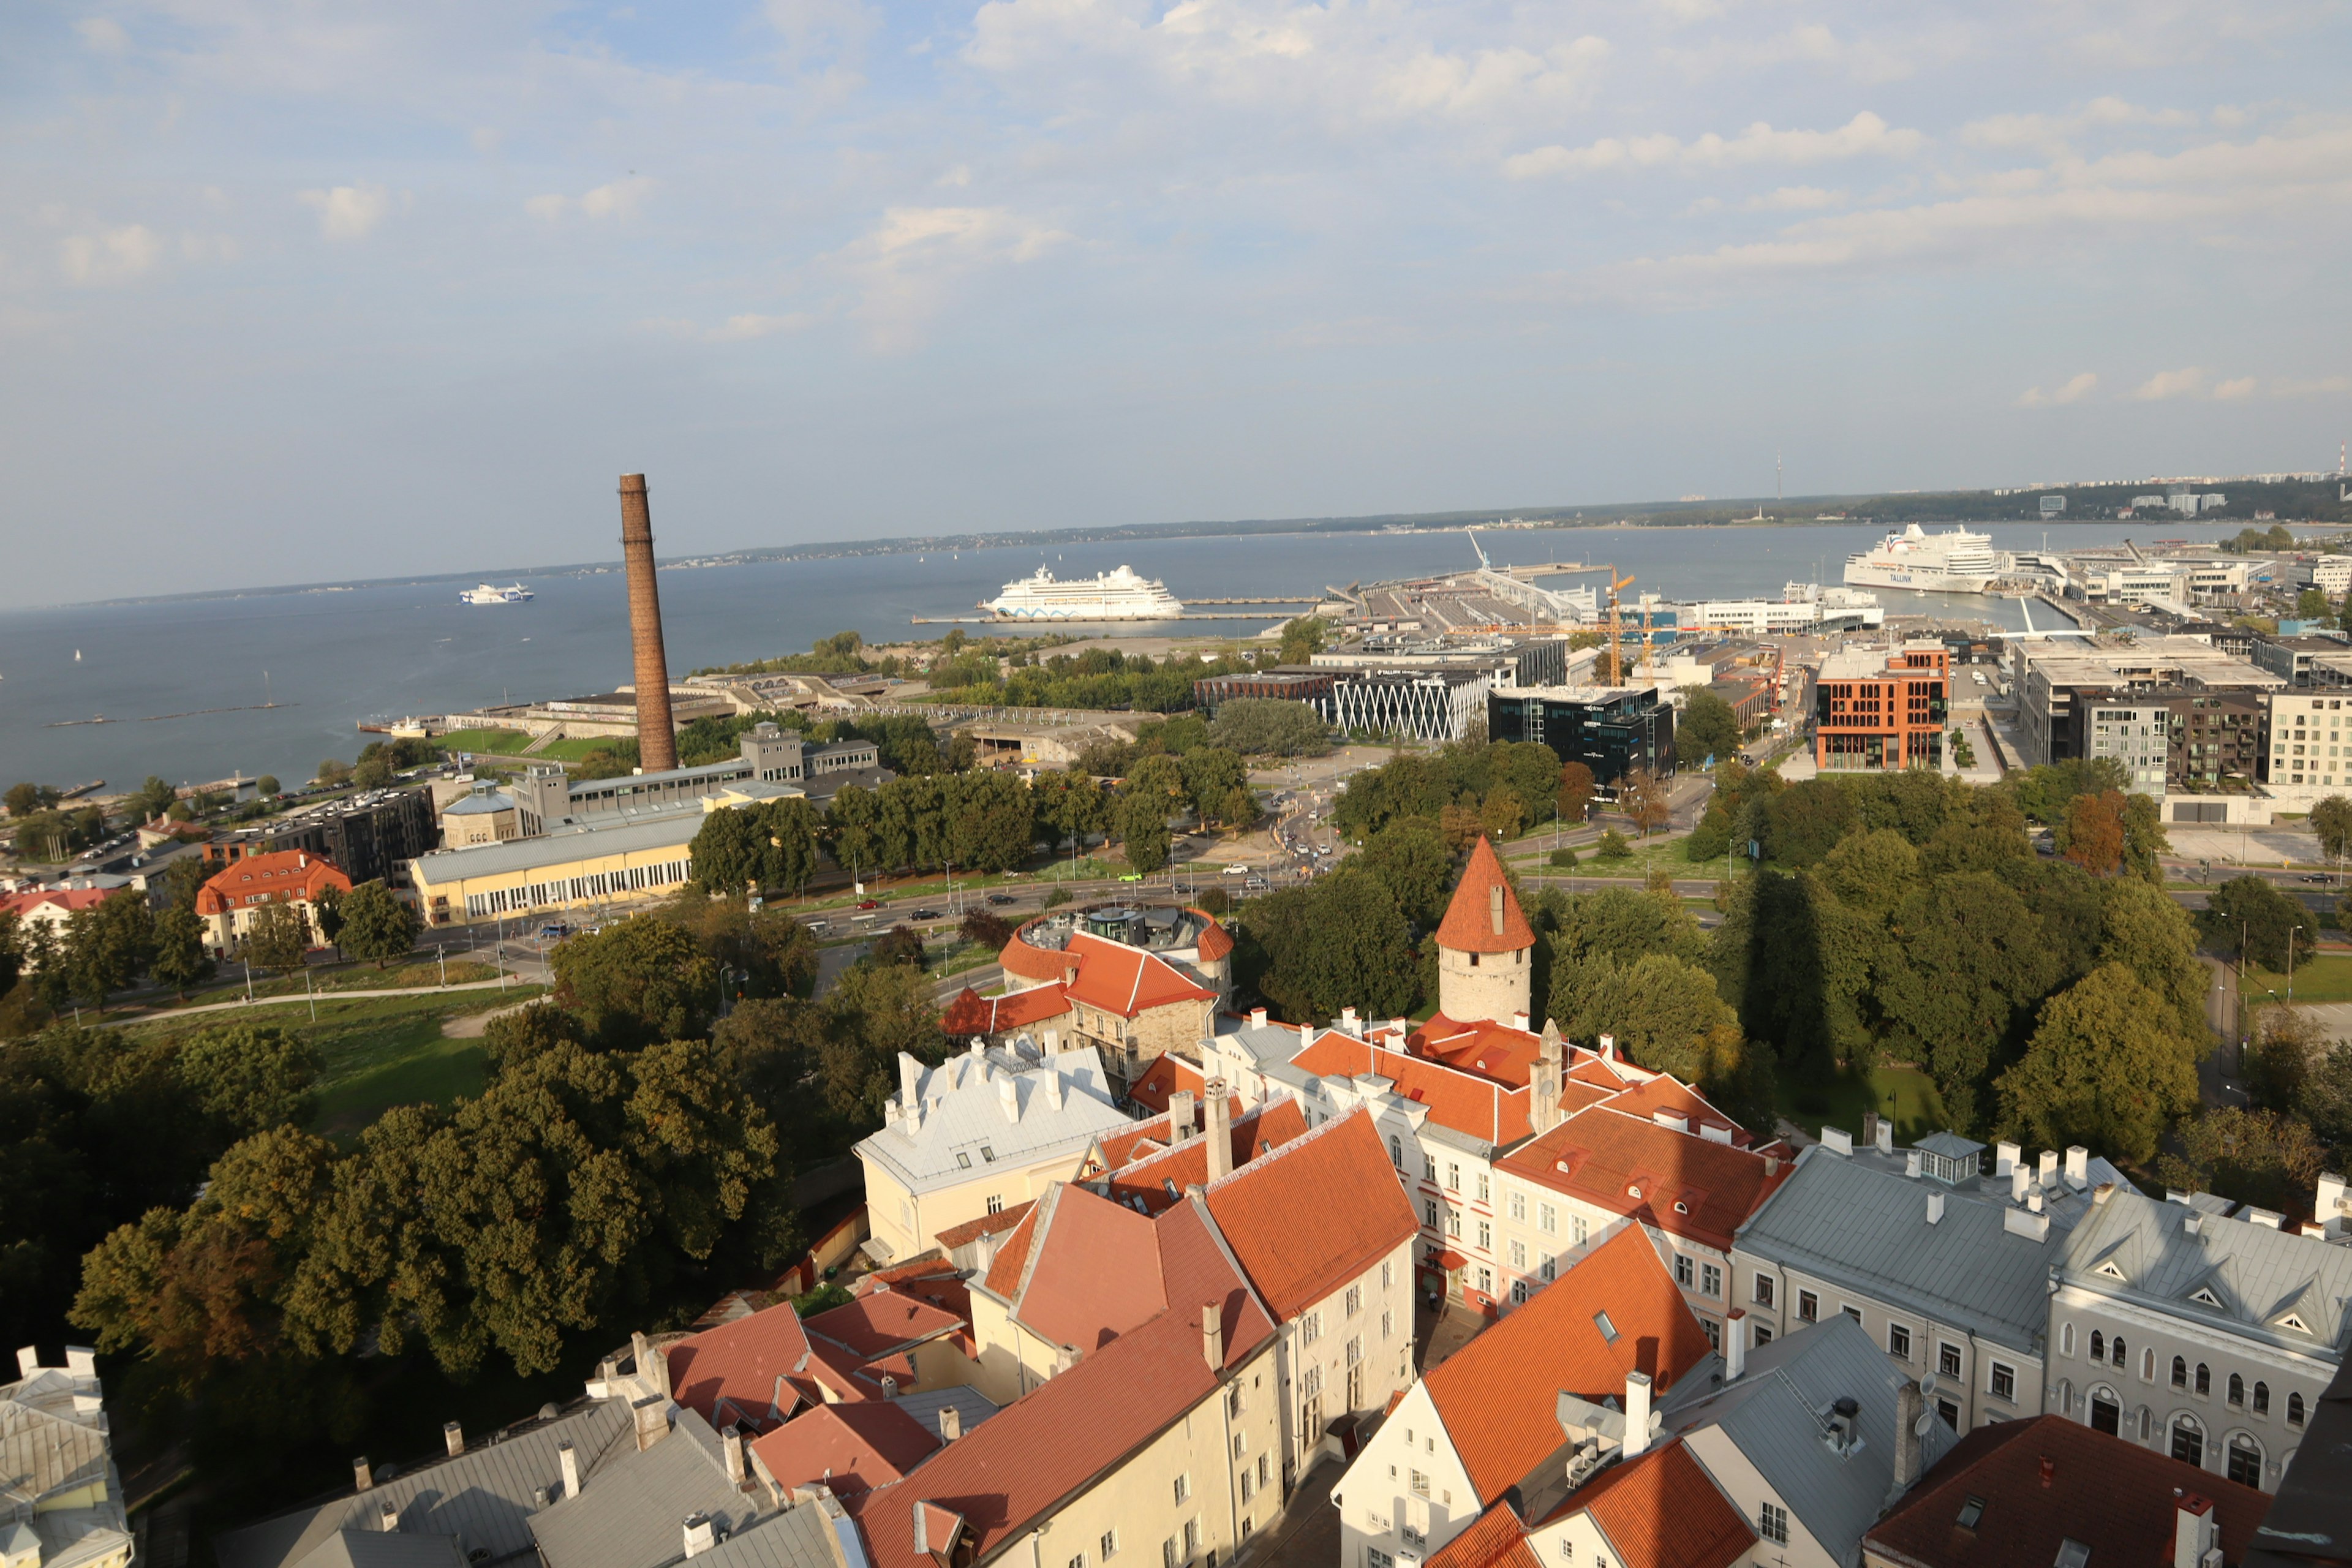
column 1304, row 1139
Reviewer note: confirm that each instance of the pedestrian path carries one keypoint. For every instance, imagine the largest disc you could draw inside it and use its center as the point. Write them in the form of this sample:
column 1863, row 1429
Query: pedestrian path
column 299, row 999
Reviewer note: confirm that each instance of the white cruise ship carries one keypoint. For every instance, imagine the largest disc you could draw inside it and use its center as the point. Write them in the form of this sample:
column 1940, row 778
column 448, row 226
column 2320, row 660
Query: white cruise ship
column 1955, row 562
column 489, row 593
column 1119, row 595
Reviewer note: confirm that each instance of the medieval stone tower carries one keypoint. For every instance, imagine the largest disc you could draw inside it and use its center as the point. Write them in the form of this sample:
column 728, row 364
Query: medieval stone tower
column 1484, row 946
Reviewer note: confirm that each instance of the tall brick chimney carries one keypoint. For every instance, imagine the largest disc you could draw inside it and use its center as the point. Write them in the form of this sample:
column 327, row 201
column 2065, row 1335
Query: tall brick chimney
column 656, row 742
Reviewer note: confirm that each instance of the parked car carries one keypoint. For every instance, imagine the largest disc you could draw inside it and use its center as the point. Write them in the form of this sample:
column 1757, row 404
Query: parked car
column 2317, row 877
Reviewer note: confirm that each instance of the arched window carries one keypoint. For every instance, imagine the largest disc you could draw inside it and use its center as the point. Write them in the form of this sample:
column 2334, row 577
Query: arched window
column 2261, row 1399
column 2180, row 1372
column 2204, row 1380
column 2237, row 1391
column 2245, row 1465
column 2098, row 1345
column 2066, row 1340
column 2294, row 1409
column 2116, row 1350
column 2143, row 1423
column 2146, row 1367
column 2188, row 1441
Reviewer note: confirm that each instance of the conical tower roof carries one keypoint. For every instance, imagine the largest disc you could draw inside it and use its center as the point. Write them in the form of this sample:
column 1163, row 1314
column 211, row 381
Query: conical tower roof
column 1483, row 916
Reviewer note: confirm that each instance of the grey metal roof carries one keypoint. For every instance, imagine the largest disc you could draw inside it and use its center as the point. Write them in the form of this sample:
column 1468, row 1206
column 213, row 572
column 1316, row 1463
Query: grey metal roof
column 970, row 1404
column 1867, row 1229
column 632, row 1513
column 1778, row 1416
column 668, row 830
column 2140, row 1249
column 963, row 1115
column 699, row 773
column 484, row 1497
column 382, row 1549
column 478, row 803
column 1950, row 1146
column 800, row 1537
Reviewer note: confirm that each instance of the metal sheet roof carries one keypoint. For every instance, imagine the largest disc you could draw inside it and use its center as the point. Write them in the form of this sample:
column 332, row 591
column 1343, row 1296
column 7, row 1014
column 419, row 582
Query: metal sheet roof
column 630, row 1513
column 964, row 1115
column 2141, row 1250
column 668, row 830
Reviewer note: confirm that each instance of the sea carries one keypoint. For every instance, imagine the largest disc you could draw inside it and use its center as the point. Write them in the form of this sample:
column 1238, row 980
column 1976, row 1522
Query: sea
column 276, row 682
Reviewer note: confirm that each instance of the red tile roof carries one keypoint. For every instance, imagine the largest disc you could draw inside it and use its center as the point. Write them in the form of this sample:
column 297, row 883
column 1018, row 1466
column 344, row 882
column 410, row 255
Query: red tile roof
column 1163, row 1077
column 1679, row 1182
column 1466, row 1102
column 1492, row 1050
column 1469, row 925
column 66, row 899
column 284, row 875
column 1056, row 1440
column 1662, row 1509
column 886, row 1320
column 1314, row 1214
column 2115, row 1496
column 1023, row 958
column 1670, row 1094
column 1498, row 1394
column 1126, row 980
column 971, row 1230
column 1012, row 1260
column 1148, row 1178
column 740, row 1362
column 1089, row 1273
column 971, row 1014
column 1495, row 1540
column 1593, row 1067
column 850, row 1447
column 1215, row 940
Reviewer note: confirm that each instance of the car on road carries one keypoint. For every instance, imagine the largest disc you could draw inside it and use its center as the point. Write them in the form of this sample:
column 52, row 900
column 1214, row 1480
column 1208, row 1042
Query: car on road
column 1132, row 876
column 2317, row 877
column 1259, row 882
column 555, row 931
column 1236, row 870
column 1001, row 899
column 869, row 903
column 923, row 915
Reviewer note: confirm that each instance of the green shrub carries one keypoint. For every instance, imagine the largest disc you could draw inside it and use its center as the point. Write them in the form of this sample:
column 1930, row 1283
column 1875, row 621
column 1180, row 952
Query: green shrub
column 1612, row 847
column 1563, row 857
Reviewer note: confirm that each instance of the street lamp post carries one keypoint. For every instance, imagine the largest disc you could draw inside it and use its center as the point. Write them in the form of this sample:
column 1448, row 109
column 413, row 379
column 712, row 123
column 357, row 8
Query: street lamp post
column 2290, row 963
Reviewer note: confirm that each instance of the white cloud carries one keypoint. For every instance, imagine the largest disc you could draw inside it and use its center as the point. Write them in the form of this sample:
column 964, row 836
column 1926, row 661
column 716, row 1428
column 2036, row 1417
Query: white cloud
column 1871, row 59
column 620, row 199
column 2073, row 390
column 739, row 329
column 103, row 34
column 906, row 266
column 2232, row 390
column 2320, row 386
column 2051, row 132
column 2169, row 383
column 207, row 247
column 1796, row 199
column 1864, row 134
column 110, row 256
column 349, row 212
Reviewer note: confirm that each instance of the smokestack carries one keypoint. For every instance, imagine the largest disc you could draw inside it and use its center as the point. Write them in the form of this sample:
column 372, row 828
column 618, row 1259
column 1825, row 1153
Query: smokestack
column 1220, row 1107
column 1735, row 1345
column 453, row 1437
column 1637, row 1413
column 2195, row 1531
column 731, row 1445
column 362, row 1478
column 1910, row 1417
column 569, row 1458
column 656, row 742
column 951, row 1423
column 1212, row 1336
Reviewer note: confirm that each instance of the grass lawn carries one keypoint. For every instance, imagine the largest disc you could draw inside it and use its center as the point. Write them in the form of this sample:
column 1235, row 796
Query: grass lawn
column 2324, row 978
column 230, row 984
column 572, row 748
column 505, row 741
column 379, row 1051
column 1906, row 1094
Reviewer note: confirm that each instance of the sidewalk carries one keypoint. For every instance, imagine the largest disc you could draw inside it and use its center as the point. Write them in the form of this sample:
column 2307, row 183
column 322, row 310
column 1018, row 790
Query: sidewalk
column 298, row 999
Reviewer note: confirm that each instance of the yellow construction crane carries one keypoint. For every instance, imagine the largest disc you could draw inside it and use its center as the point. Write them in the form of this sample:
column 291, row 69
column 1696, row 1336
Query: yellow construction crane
column 1616, row 654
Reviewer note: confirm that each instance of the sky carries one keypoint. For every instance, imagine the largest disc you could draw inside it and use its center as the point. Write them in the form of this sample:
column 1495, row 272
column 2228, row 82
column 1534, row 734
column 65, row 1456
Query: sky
column 310, row 290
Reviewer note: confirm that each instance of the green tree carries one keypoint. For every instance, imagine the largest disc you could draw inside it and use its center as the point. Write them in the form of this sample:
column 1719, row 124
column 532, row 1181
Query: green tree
column 1214, row 776
column 277, row 939
column 2325, row 1098
column 2248, row 916
column 771, row 845
column 1707, row 728
column 2260, row 1157
column 2146, row 932
column 1302, row 639
column 603, row 763
column 521, row 1033
column 1255, row 727
column 1644, row 797
column 327, row 911
column 24, row 799
column 376, row 925
column 1339, row 943
column 1666, row 1012
column 875, row 1011
column 153, row 798
column 1806, row 820
column 1409, row 858
column 1612, row 847
column 2104, row 1068
column 637, row 981
column 2094, row 832
column 267, row 787
column 108, row 944
column 1573, row 794
column 180, row 960
column 184, row 876
column 766, row 951
column 1529, row 771
column 2311, row 605
column 372, row 773
column 334, row 774
column 1970, row 959
column 2331, row 821
column 1501, row 816
column 252, row 1077
column 2143, row 838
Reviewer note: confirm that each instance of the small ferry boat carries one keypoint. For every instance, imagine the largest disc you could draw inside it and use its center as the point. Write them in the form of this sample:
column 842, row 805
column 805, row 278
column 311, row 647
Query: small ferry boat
column 488, row 593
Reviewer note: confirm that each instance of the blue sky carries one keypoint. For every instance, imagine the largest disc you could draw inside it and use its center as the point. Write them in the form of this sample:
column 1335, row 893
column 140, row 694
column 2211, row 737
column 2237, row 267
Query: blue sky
column 292, row 291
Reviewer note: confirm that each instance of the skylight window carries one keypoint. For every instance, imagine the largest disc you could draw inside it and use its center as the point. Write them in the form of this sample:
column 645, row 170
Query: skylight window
column 988, row 1153
column 2072, row 1554
column 2206, row 1298
column 1607, row 1330
column 964, row 1161
column 1971, row 1511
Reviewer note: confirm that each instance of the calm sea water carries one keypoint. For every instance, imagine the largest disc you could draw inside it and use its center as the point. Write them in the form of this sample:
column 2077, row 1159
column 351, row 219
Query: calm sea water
column 333, row 657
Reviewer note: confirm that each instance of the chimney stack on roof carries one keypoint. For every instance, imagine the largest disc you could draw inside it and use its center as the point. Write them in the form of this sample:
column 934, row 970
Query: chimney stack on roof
column 387, row 1518
column 1258, row 1017
column 1220, row 1108
column 362, row 1478
column 1212, row 1336
column 1609, row 1046
column 2018, row 1176
column 1065, row 1359
column 1050, row 1081
column 1179, row 1116
column 569, row 1458
column 1637, row 1413
column 1735, row 1345
column 701, row 1535
column 1911, row 1163
column 1910, row 1423
column 657, row 741
column 1349, row 1023
column 1883, row 1138
column 1008, row 1098
column 1520, row 1021
column 732, row 1444
column 1869, row 1128
column 2078, row 1166
column 2196, row 1531
column 453, row 1437
column 910, row 1079
column 2045, row 1172
column 951, row 1423
column 1935, row 1208
column 1837, row 1139
column 652, row 1413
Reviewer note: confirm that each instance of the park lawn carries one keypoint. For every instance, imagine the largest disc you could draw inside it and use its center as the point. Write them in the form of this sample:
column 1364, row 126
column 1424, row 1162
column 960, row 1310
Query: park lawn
column 574, row 748
column 1904, row 1093
column 229, row 985
column 2324, row 978
column 502, row 741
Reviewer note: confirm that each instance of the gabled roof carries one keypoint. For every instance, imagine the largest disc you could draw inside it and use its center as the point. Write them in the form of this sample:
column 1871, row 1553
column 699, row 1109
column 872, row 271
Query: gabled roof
column 1306, row 1218
column 627, row 1513
column 2256, row 1276
column 1159, row 1177
column 1085, row 1421
column 1087, row 1271
column 1471, row 922
column 1468, row 1103
column 971, row 1230
column 1498, row 1395
column 1668, row 1094
column 882, row 1322
column 972, row 1014
column 1167, row 1075
column 1497, row 1052
column 1679, row 1182
column 966, row 1129
column 1496, row 1539
column 1214, row 941
column 849, row 1446
column 1662, row 1509
column 66, row 899
column 741, row 1363
column 2115, row 1497
column 1126, row 980
column 284, row 875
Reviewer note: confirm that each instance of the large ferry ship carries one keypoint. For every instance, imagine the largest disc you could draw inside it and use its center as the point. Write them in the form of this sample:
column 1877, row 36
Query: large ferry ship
column 1954, row 563
column 1119, row 595
column 489, row 593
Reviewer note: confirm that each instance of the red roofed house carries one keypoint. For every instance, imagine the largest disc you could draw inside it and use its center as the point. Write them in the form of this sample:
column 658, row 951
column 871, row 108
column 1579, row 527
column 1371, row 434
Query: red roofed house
column 1493, row 1418
column 51, row 907
column 1680, row 1179
column 1660, row 1509
column 850, row 1447
column 1153, row 1437
column 997, row 1019
column 1145, row 1170
column 1138, row 982
column 1483, row 946
column 227, row 903
column 754, row 1372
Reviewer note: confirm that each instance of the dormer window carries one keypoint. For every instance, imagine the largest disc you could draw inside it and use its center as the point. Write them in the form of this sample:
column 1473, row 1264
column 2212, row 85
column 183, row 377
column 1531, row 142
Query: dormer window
column 2205, row 1299
column 2110, row 1270
column 2291, row 1320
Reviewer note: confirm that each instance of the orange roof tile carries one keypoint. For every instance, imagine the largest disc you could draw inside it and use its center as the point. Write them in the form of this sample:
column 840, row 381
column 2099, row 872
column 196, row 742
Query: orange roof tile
column 1472, row 922
column 1126, row 980
column 1593, row 1067
column 884, row 1321
column 1341, row 1175
column 1495, row 1540
column 1163, row 1077
column 1462, row 1101
column 1030, row 962
column 1493, row 1050
column 971, row 1014
column 851, row 1447
column 1670, row 1094
column 1497, row 1394
column 1662, row 1509
column 741, row 1363
column 283, row 875
column 1679, row 1182
column 1080, row 1424
column 1092, row 1273
column 1012, row 1260
column 1146, row 1179
column 1215, row 940
column 66, row 899
column 971, row 1230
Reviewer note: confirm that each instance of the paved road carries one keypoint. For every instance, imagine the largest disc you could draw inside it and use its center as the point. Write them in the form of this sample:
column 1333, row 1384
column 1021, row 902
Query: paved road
column 300, row 1000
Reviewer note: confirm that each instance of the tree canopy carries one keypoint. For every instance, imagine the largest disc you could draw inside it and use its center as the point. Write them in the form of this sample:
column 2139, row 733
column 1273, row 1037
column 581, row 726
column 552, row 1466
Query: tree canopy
column 2105, row 1068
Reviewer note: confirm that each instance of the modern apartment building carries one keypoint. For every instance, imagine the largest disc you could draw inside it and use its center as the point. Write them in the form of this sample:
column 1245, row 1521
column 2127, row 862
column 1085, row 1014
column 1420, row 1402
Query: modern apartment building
column 1876, row 710
column 2060, row 686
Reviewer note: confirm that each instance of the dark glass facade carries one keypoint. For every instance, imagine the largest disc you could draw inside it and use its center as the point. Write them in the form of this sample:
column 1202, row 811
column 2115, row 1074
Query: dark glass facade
column 1611, row 732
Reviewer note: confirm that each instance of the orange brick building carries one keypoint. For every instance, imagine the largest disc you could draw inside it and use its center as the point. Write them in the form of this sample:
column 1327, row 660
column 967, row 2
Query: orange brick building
column 1882, row 710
